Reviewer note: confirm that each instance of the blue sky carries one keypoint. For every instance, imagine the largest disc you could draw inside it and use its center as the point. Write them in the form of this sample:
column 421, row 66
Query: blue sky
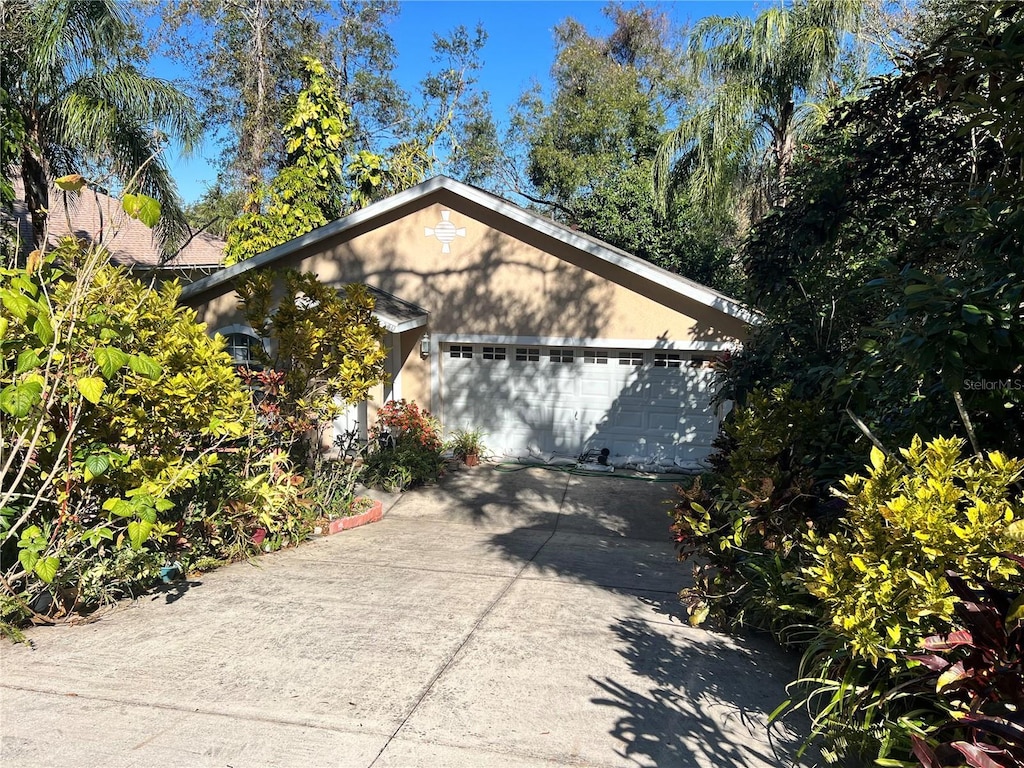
column 519, row 51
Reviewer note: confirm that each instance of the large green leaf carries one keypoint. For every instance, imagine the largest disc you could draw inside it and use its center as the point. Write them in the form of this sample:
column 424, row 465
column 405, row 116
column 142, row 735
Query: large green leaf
column 46, row 568
column 143, row 208
column 43, row 329
column 28, row 360
column 28, row 559
column 17, row 303
column 144, row 365
column 18, row 399
column 110, row 360
column 138, row 532
column 119, row 507
column 96, row 465
column 91, row 388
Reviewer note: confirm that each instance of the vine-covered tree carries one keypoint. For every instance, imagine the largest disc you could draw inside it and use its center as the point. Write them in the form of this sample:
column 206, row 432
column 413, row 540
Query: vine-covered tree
column 308, row 191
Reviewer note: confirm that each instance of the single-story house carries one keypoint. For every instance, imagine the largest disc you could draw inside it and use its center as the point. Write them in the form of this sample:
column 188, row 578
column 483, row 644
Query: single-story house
column 501, row 319
column 94, row 216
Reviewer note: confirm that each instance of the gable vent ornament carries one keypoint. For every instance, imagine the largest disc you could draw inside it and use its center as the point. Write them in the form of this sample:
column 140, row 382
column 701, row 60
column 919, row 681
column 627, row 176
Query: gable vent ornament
column 445, row 232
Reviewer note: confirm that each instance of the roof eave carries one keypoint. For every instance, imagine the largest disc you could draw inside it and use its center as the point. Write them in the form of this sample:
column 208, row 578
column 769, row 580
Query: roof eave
column 391, row 325
column 694, row 291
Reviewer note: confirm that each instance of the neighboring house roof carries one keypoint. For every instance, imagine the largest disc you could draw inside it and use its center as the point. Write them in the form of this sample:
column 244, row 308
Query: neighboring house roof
column 95, row 216
column 584, row 243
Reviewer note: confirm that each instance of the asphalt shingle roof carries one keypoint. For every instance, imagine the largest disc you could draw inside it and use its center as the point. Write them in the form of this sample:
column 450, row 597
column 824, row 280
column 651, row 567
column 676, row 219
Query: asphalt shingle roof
column 95, row 216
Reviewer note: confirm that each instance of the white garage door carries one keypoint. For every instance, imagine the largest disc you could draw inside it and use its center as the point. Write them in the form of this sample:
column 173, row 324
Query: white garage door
column 649, row 404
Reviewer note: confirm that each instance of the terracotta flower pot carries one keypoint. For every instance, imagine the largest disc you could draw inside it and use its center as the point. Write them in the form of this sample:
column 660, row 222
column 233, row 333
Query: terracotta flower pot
column 471, row 459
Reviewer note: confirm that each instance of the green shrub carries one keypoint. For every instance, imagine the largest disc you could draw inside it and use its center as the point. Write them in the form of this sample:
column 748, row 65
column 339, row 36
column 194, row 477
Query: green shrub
column 881, row 576
column 113, row 402
column 747, row 519
column 327, row 353
column 407, row 448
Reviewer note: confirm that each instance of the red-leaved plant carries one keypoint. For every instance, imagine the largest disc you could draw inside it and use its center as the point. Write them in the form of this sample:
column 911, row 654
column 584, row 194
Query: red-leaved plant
column 979, row 677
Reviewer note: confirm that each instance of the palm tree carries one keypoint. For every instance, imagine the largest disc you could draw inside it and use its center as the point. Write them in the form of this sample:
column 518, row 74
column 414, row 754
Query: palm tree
column 81, row 103
column 764, row 75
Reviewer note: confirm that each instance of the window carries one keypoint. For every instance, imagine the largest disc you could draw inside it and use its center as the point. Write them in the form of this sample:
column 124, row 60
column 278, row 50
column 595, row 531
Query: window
column 461, row 351
column 702, row 361
column 559, row 355
column 244, row 349
column 667, row 360
column 631, row 357
column 494, row 353
column 527, row 354
column 596, row 356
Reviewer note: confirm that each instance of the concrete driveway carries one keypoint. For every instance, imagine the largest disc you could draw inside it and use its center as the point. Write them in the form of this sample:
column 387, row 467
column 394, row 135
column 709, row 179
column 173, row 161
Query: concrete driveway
column 520, row 620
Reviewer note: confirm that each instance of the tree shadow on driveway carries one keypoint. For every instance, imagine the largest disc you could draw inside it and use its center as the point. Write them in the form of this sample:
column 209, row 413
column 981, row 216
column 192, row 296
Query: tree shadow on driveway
column 683, row 696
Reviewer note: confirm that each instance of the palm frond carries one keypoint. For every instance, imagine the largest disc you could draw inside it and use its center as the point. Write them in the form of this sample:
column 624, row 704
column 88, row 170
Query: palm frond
column 87, row 104
column 756, row 72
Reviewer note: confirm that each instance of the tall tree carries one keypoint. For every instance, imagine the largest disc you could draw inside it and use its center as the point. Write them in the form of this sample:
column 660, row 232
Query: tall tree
column 246, row 63
column 68, row 76
column 429, row 138
column 587, row 153
column 365, row 57
column 767, row 80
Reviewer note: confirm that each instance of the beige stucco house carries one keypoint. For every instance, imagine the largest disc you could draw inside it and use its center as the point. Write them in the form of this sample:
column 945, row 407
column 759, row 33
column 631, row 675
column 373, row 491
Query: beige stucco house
column 500, row 319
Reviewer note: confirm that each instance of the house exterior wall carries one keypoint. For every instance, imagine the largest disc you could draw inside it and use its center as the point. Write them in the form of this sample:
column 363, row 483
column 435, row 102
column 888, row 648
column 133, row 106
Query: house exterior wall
column 501, row 278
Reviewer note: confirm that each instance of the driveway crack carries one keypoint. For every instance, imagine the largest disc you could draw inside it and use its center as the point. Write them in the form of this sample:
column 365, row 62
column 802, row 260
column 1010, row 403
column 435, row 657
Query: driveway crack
column 476, row 625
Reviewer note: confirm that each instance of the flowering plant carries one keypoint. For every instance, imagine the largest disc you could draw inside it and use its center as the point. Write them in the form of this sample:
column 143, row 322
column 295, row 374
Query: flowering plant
column 407, row 451
column 407, row 422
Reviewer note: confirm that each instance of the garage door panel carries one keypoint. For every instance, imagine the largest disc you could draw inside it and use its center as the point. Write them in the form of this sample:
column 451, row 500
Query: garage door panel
column 544, row 405
column 626, row 417
column 665, row 420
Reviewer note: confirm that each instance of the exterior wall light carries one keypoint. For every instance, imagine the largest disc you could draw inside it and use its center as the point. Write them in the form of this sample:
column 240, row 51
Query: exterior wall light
column 425, row 345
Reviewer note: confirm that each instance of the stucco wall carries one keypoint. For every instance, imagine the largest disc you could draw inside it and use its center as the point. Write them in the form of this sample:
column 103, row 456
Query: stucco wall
column 500, row 278
column 497, row 282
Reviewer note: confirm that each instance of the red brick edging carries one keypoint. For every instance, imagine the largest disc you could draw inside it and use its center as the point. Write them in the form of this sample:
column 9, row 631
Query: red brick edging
column 372, row 515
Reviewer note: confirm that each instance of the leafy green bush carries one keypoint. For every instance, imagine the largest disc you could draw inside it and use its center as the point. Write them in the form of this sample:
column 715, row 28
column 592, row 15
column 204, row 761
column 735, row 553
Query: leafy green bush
column 113, row 401
column 881, row 576
column 327, row 353
column 407, row 448
column 129, row 441
column 747, row 520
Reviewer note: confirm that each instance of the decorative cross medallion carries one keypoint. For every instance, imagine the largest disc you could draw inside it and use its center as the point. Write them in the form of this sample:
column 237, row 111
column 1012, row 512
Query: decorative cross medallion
column 445, row 232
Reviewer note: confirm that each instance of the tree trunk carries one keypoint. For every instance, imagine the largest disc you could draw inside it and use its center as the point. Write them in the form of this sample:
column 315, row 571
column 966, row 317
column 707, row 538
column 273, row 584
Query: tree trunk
column 256, row 145
column 37, row 194
column 783, row 147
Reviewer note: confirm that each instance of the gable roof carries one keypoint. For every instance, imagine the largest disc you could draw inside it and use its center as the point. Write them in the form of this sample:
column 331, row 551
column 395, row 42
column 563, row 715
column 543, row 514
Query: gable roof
column 584, row 243
column 95, row 216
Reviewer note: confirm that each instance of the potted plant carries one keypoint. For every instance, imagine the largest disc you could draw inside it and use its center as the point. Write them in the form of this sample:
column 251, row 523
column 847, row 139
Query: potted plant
column 467, row 445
